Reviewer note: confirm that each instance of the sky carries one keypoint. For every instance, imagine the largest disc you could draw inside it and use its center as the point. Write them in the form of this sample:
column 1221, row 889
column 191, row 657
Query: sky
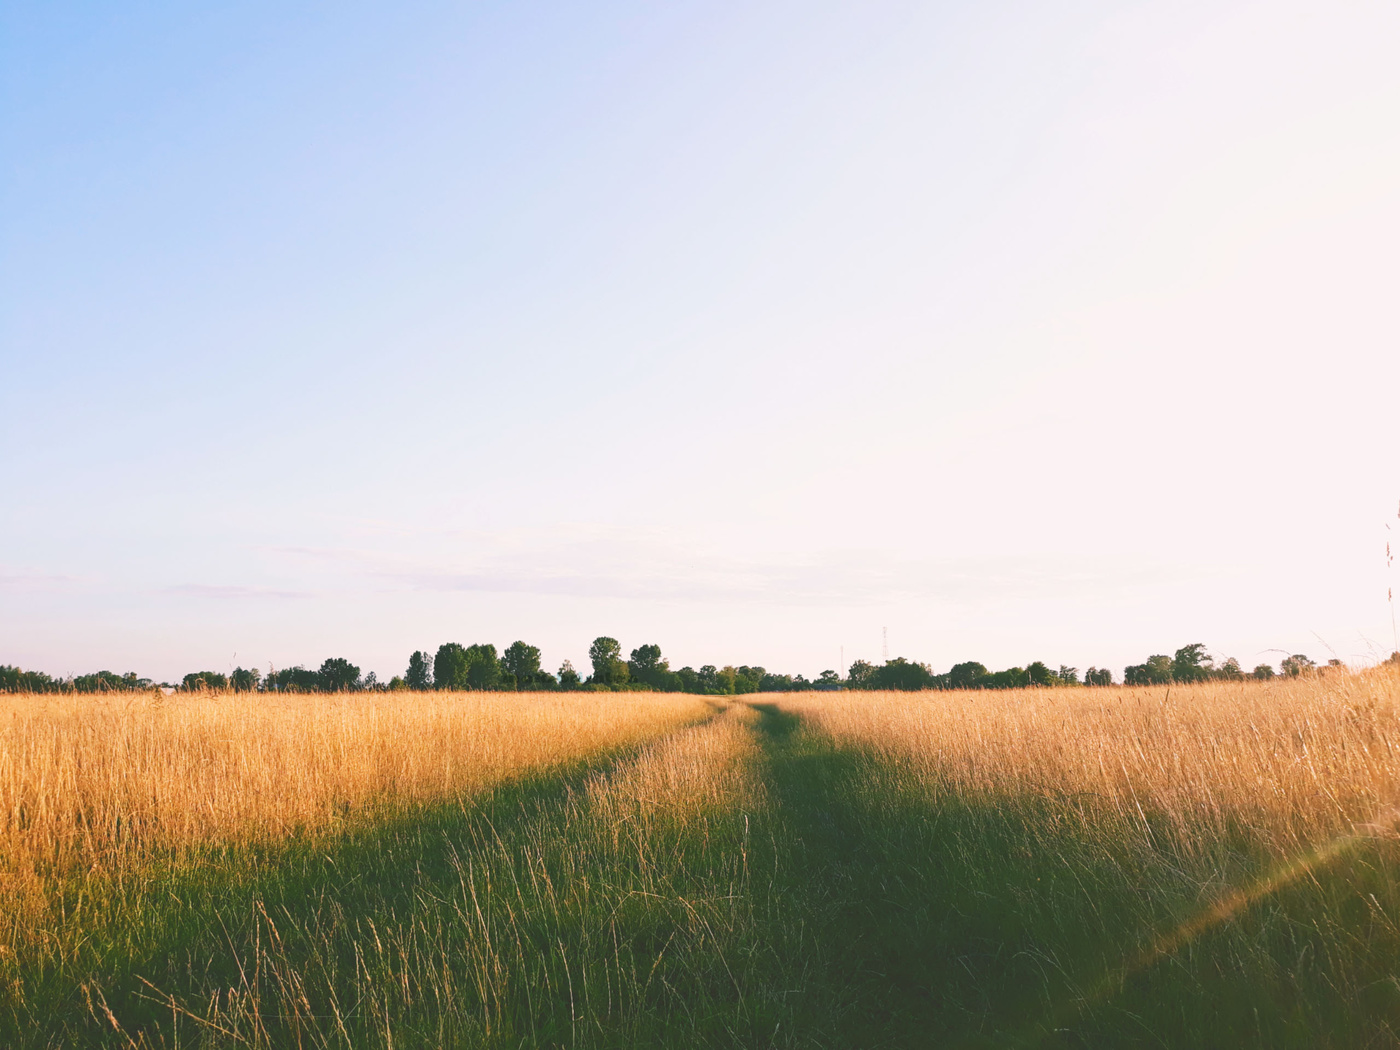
column 764, row 332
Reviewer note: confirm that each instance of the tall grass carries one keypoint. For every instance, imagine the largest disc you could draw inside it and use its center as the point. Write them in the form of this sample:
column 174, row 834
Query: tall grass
column 1295, row 762
column 102, row 789
column 96, row 781
column 609, row 905
column 615, row 913
column 1213, row 865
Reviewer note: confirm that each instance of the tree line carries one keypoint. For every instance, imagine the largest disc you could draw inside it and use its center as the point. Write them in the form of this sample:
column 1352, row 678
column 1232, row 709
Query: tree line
column 1191, row 663
column 14, row 680
column 518, row 667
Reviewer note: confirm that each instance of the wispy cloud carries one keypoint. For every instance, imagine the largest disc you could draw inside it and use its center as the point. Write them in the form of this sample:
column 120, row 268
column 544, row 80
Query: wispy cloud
column 588, row 561
column 210, row 590
column 23, row 581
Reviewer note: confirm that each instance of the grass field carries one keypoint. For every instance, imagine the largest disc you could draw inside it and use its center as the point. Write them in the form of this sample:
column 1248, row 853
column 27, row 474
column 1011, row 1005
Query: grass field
column 1213, row 865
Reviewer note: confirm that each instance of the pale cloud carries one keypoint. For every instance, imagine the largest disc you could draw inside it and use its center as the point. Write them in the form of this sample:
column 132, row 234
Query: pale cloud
column 220, row 591
column 610, row 562
column 23, row 581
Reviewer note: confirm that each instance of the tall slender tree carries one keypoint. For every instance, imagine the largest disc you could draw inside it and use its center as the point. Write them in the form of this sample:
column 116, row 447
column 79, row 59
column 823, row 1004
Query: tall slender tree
column 520, row 665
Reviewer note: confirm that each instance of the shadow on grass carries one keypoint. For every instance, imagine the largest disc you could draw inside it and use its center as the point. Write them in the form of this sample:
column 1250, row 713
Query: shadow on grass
column 855, row 907
column 939, row 921
column 884, row 964
column 187, row 942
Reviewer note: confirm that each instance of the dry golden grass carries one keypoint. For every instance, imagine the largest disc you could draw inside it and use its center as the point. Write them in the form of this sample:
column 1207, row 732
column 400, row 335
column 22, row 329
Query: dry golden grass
column 706, row 767
column 1214, row 865
column 1295, row 761
column 100, row 783
column 653, row 841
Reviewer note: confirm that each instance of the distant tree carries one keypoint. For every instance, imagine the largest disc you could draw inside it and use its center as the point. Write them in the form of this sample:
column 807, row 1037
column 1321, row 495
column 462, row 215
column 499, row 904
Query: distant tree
column 1038, row 674
column 967, row 675
column 645, row 659
column 568, row 677
column 1230, row 669
column 1098, row 676
column 714, row 681
column 618, row 674
column 1011, row 678
column 648, row 667
column 15, row 680
column 450, row 667
column 828, row 680
column 1263, row 672
column 609, row 669
column 1191, row 664
column 601, row 654
column 339, row 675
column 420, row 672
column 197, row 681
column 1068, row 675
column 902, row 674
column 861, row 675
column 294, row 680
column 782, row 683
column 108, row 682
column 397, row 684
column 1156, row 670
column 1159, row 669
column 1297, row 664
column 460, row 667
column 689, row 679
column 520, row 664
column 245, row 680
column 483, row 667
column 748, row 679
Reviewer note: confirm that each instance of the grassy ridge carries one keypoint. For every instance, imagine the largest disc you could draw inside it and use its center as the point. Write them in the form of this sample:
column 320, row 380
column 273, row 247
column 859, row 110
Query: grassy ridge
column 764, row 879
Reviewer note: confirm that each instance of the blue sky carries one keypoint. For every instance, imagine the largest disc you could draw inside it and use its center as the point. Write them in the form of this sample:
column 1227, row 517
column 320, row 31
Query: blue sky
column 750, row 330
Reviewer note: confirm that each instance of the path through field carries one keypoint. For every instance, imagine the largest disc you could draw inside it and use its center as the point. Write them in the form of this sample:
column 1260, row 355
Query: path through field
column 748, row 881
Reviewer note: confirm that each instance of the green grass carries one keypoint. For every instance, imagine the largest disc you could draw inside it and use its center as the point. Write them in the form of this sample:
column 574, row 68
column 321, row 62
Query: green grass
column 1023, row 923
column 847, row 907
column 518, row 917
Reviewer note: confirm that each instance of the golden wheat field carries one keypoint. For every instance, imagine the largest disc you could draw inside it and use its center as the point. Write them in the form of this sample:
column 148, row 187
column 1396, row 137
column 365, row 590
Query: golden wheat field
column 93, row 781
column 1301, row 759
column 100, row 784
column 625, row 824
column 1202, row 865
column 90, row 780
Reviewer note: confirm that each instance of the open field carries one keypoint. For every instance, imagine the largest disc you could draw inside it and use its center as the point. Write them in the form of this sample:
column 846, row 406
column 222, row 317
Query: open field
column 1205, row 865
column 99, row 798
column 1212, row 865
column 99, row 783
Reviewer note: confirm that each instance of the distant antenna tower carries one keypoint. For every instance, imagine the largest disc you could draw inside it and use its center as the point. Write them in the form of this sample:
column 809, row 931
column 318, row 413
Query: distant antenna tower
column 885, row 646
